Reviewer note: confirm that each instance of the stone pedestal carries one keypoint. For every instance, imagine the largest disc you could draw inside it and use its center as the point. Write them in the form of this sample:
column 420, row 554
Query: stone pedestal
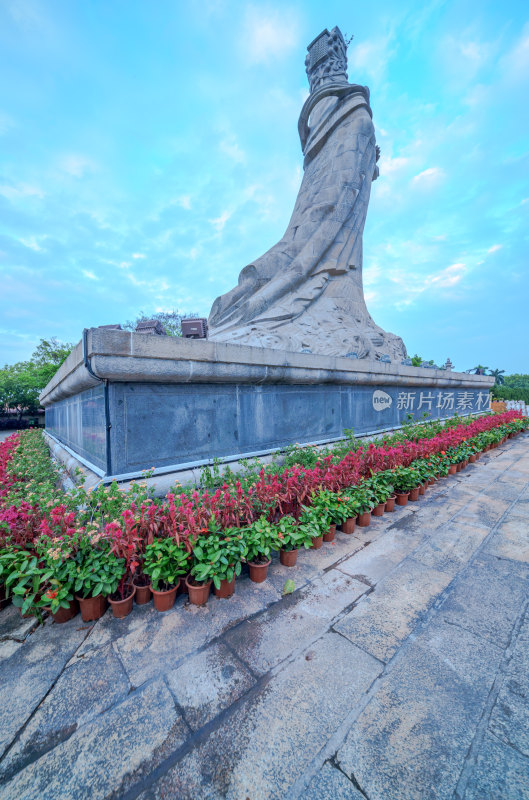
column 125, row 402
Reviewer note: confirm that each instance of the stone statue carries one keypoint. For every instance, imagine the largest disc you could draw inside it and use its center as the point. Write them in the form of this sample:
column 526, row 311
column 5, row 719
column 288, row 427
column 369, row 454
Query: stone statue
column 305, row 294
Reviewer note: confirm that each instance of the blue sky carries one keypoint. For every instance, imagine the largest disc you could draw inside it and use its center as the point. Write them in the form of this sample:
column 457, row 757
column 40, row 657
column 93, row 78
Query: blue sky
column 149, row 151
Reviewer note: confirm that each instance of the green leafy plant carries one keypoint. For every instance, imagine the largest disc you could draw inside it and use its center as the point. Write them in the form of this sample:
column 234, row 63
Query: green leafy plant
column 291, row 536
column 98, row 569
column 59, row 572
column 22, row 575
column 405, row 479
column 218, row 556
column 164, row 562
column 259, row 538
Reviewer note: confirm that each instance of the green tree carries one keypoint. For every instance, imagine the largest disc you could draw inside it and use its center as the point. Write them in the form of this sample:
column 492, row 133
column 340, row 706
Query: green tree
column 497, row 374
column 418, row 360
column 21, row 383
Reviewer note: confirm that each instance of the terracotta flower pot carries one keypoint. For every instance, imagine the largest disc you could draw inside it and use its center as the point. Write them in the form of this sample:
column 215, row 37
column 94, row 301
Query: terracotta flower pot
column 422, row 488
column 65, row 614
column 473, row 458
column 390, row 503
column 402, row 498
column 459, row 466
column 163, row 601
column 414, row 493
column 431, row 481
column 317, row 542
column 364, row 520
column 452, row 469
column 379, row 510
column 122, row 608
column 288, row 557
column 258, row 572
column 226, row 589
column 92, row 607
column 198, row 592
column 348, row 525
column 329, row 536
column 143, row 594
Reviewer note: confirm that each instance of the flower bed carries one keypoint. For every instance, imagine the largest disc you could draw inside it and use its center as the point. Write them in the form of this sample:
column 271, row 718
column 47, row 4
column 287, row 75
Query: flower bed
column 56, row 547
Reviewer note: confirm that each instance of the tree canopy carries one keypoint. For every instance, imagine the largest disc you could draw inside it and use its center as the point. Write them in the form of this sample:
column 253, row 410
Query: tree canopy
column 170, row 320
column 21, row 383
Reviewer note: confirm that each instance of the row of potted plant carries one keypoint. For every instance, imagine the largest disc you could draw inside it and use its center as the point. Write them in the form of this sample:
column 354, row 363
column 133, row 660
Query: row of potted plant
column 68, row 562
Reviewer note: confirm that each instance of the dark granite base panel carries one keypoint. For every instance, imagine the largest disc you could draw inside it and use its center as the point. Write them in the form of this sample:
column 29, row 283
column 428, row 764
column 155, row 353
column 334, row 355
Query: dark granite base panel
column 161, row 425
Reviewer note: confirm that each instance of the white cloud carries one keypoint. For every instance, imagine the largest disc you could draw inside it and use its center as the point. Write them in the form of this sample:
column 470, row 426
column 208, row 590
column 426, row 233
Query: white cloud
column 184, row 201
column 428, row 178
column 220, row 222
column 138, row 255
column 389, row 165
column 268, row 33
column 32, row 244
column 370, row 58
column 6, row 123
column 125, row 265
column 21, row 190
column 494, row 248
column 76, row 165
column 447, row 277
column 89, row 274
column 231, row 148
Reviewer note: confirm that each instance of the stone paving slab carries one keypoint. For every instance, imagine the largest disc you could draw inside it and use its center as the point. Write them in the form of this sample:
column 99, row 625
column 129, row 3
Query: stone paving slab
column 501, row 773
column 511, row 538
column 271, row 739
column 386, row 618
column 29, row 673
column 398, row 668
column 488, row 601
column 207, row 683
column 262, row 643
column 95, row 761
column 331, row 784
column 410, row 741
column 77, row 697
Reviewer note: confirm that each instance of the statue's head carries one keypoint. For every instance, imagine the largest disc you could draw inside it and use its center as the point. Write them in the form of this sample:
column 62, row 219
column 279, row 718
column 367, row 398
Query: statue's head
column 326, row 61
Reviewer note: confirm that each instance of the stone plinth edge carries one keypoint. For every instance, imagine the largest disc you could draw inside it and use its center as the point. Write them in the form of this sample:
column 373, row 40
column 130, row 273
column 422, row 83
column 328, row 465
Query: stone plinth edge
column 119, row 356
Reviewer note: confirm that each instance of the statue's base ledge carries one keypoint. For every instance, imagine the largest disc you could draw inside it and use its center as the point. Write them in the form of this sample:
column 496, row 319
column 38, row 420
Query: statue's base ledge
column 120, row 356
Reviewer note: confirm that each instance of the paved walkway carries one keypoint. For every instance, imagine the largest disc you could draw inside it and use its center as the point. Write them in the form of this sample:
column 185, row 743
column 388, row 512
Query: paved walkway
column 398, row 669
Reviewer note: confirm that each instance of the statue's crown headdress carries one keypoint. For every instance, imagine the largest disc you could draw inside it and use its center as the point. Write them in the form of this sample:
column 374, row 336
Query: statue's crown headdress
column 327, row 59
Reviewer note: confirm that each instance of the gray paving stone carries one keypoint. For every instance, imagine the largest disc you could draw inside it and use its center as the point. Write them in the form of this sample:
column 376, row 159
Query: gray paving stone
column 13, row 625
column 268, row 743
column 82, row 692
column 207, row 683
column 482, row 512
column 30, row 671
column 107, row 754
column 488, row 598
column 511, row 539
column 451, row 547
column 509, row 720
column 268, row 639
column 385, row 619
column 161, row 641
column 410, row 741
column 500, row 773
column 330, row 784
column 374, row 562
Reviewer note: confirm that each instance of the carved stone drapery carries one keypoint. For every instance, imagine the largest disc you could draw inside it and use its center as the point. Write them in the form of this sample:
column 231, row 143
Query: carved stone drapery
column 306, row 292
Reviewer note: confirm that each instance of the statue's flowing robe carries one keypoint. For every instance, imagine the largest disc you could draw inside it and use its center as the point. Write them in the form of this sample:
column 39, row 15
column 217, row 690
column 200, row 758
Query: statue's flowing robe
column 306, row 292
